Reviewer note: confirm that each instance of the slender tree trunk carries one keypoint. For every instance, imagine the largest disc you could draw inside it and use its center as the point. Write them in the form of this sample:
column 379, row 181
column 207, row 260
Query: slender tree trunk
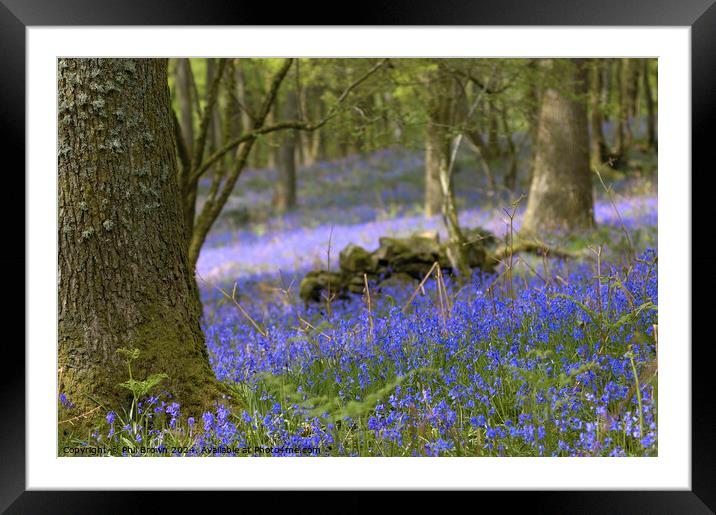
column 242, row 96
column 437, row 154
column 598, row 148
column 634, row 93
column 215, row 131
column 183, row 83
column 650, row 108
column 620, row 136
column 533, row 104
column 456, row 249
column 624, row 135
column 443, row 107
column 445, row 112
column 511, row 176
column 634, row 88
column 607, row 78
column 124, row 276
column 246, row 102
column 560, row 195
column 483, row 155
column 493, row 129
column 285, row 192
column 306, row 137
column 221, row 187
column 395, row 128
column 318, row 144
column 270, row 139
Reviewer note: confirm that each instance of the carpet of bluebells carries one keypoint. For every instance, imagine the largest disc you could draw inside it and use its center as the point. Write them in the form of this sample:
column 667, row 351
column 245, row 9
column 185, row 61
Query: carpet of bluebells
column 542, row 359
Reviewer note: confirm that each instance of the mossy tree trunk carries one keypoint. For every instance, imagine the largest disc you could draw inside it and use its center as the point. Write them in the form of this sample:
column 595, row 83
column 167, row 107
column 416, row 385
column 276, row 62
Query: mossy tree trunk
column 560, row 195
column 124, row 276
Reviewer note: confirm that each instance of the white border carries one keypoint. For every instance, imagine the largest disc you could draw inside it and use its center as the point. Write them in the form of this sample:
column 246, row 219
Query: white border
column 670, row 470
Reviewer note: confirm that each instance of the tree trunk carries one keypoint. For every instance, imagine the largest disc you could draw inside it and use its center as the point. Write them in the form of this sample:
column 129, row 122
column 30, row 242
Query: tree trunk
column 620, row 136
column 307, row 138
column 444, row 114
column 437, row 155
column 183, row 81
column 214, row 140
column 493, row 130
column 442, row 105
column 598, row 148
column 624, row 136
column 607, row 66
column 124, row 276
column 533, row 103
column 242, row 98
column 634, row 89
column 560, row 195
column 511, row 176
column 633, row 94
column 650, row 108
column 285, row 193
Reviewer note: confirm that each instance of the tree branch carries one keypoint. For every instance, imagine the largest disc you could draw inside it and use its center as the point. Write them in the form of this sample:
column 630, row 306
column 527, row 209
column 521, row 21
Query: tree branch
column 293, row 124
column 206, row 117
column 271, row 94
column 479, row 83
column 535, row 247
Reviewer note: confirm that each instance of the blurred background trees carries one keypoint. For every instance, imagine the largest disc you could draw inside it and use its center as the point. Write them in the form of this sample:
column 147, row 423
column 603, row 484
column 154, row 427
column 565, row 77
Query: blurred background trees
column 518, row 126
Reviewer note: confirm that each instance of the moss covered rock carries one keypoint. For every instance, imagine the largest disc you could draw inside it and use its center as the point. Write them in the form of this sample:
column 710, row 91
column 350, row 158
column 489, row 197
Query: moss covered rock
column 395, row 261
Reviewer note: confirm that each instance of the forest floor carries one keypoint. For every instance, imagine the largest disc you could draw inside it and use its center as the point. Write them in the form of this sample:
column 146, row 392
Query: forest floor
column 549, row 358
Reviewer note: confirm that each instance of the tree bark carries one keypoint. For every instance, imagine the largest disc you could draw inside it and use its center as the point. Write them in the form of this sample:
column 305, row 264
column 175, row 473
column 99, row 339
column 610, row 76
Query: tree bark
column 124, row 276
column 441, row 117
column 444, row 114
column 285, row 192
column 183, row 82
column 624, row 136
column 598, row 147
column 533, row 104
column 510, row 180
column 309, row 96
column 650, row 108
column 437, row 154
column 560, row 195
column 493, row 129
column 214, row 140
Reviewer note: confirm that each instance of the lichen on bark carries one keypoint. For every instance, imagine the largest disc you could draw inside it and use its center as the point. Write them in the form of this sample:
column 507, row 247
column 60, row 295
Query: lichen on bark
column 124, row 278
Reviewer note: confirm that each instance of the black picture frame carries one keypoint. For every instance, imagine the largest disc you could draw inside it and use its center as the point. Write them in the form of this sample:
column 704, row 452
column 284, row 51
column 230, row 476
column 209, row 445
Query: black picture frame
column 17, row 15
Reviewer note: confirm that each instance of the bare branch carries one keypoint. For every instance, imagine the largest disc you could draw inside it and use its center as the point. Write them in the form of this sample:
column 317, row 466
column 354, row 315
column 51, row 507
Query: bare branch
column 272, row 92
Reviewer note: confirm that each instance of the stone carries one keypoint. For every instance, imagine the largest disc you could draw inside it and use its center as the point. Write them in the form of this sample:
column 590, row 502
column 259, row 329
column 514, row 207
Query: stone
column 480, row 236
column 316, row 282
column 397, row 280
column 356, row 259
column 397, row 261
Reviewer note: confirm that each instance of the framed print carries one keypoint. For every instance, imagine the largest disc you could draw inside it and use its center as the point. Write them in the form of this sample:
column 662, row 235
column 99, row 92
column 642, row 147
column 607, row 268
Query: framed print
column 429, row 249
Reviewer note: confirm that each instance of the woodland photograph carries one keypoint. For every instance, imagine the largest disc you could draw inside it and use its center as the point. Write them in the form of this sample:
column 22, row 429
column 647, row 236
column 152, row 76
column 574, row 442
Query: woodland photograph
column 366, row 257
